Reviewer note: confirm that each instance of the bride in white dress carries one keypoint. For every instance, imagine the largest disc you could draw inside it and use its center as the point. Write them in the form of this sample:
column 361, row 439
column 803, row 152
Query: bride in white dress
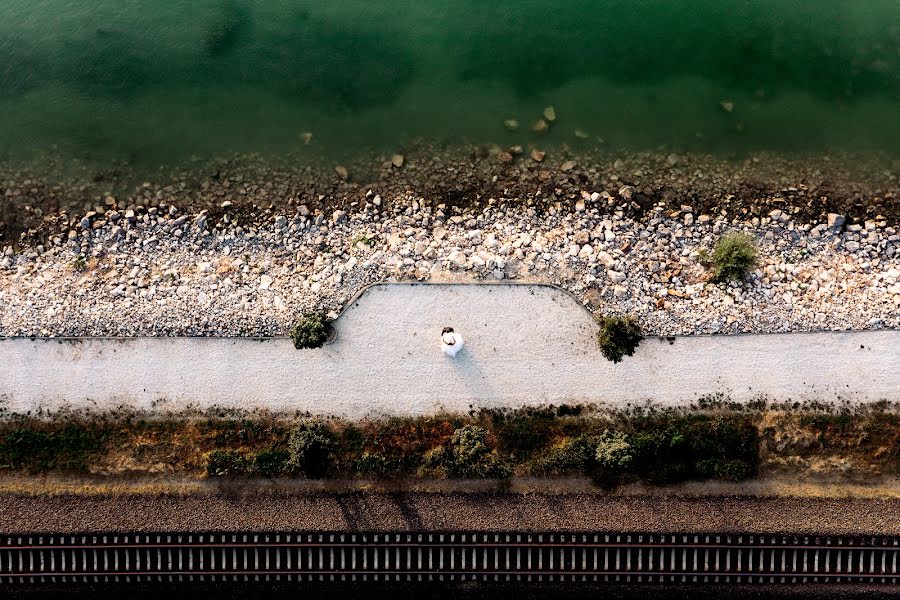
column 451, row 342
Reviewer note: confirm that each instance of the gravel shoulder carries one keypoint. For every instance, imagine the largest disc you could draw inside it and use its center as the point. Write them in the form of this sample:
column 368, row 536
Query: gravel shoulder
column 240, row 509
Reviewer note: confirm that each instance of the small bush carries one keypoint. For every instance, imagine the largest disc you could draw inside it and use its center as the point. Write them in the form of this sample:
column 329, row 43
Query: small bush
column 613, row 451
column 311, row 331
column 371, row 464
column 227, row 462
column 571, row 455
column 470, row 456
column 619, row 337
column 311, row 446
column 733, row 257
column 271, row 462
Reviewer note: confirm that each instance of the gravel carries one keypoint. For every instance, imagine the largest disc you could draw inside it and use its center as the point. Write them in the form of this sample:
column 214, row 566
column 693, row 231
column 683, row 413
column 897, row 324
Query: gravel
column 207, row 256
column 462, row 511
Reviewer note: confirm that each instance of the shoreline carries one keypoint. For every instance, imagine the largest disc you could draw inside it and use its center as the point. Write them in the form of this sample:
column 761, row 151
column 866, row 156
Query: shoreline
column 230, row 254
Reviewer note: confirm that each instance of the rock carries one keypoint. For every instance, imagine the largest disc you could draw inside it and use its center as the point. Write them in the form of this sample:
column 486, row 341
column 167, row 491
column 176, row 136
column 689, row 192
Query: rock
column 342, row 172
column 85, row 223
column 581, row 237
column 626, row 191
column 280, row 221
column 615, row 276
column 338, row 216
column 727, row 105
column 581, row 134
column 505, row 157
column 836, row 221
column 457, row 258
column 672, row 160
column 396, row 160
column 307, row 137
column 605, row 259
column 537, row 155
column 303, row 210
column 852, row 246
column 540, row 126
column 511, row 124
column 265, row 282
column 549, row 114
column 568, row 165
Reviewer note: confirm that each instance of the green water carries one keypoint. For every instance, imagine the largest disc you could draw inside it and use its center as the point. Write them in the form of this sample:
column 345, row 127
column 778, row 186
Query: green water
column 159, row 81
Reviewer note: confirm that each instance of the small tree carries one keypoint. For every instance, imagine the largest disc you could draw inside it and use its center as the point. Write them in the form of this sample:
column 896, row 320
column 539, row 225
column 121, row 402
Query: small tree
column 310, row 447
column 619, row 337
column 733, row 257
column 311, row 331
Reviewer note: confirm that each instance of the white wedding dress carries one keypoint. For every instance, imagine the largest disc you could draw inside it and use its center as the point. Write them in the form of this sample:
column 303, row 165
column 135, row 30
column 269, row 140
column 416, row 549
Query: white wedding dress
column 451, row 343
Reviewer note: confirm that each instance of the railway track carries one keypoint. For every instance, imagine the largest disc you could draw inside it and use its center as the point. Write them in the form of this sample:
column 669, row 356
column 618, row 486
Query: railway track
column 457, row 556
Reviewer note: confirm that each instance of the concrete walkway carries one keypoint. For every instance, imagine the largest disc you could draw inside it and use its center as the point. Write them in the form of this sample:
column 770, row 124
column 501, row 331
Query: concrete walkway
column 525, row 345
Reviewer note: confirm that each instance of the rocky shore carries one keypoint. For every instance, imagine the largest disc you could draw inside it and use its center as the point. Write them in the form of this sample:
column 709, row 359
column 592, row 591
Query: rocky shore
column 245, row 251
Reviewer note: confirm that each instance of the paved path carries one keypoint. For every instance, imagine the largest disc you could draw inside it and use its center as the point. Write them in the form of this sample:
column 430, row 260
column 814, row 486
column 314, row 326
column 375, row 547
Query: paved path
column 525, row 345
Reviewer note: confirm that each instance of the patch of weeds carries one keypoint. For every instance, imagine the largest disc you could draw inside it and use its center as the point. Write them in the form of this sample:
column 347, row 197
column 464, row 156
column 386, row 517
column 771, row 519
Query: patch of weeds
column 311, row 331
column 79, row 265
column 372, row 464
column 733, row 257
column 468, row 455
column 361, row 237
column 619, row 337
column 523, row 431
column 271, row 462
column 572, row 455
column 220, row 463
column 69, row 448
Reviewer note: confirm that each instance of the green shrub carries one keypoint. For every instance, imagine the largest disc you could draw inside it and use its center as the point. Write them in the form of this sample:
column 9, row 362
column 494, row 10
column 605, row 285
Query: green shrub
column 311, row 331
column 311, row 446
column 371, row 464
column 227, row 462
column 572, row 455
column 469, row 455
column 613, row 451
column 733, row 257
column 271, row 462
column 619, row 337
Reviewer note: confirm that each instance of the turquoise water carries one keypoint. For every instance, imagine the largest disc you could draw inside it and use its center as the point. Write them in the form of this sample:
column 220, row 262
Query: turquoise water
column 158, row 81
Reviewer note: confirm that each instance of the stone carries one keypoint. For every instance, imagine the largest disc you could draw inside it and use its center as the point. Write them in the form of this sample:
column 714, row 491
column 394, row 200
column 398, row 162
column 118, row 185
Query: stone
column 342, row 172
column 338, row 216
column 537, row 155
column 540, row 126
column 457, row 258
column 727, row 106
column 511, row 124
column 397, row 160
column 615, row 276
column 265, row 282
column 836, row 221
column 550, row 114
column 581, row 134
column 568, row 165
column 505, row 157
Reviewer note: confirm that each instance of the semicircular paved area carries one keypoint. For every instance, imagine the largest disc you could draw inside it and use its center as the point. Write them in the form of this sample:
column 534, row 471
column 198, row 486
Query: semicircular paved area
column 525, row 345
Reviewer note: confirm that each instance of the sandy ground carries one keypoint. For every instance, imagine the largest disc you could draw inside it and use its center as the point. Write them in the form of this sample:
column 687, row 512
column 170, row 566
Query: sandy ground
column 525, row 345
